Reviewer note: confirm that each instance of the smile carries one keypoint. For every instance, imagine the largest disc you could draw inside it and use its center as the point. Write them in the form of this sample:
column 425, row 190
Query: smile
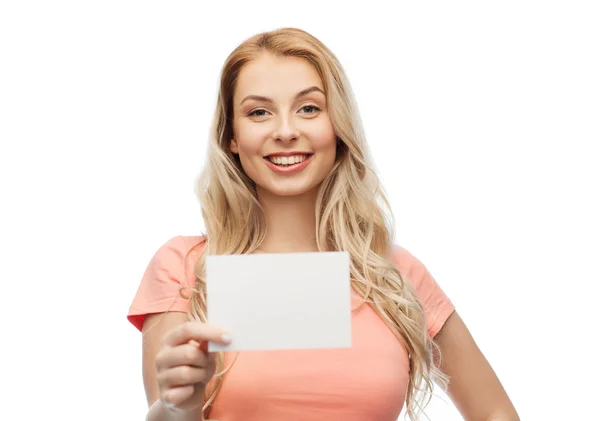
column 287, row 160
column 288, row 164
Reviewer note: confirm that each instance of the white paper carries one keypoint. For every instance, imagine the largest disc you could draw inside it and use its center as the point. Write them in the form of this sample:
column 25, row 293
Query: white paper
column 280, row 301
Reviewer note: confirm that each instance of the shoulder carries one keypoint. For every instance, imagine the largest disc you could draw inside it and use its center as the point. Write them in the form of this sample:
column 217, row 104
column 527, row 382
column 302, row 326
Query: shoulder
column 186, row 242
column 437, row 305
column 414, row 271
column 408, row 265
column 181, row 246
column 170, row 268
column 192, row 243
column 176, row 257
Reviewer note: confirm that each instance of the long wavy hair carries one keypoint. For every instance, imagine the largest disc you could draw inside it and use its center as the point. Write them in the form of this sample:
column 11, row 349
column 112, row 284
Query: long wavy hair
column 348, row 218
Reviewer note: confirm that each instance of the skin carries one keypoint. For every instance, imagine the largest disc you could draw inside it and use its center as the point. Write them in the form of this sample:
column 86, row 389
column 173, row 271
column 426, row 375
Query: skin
column 474, row 387
column 176, row 365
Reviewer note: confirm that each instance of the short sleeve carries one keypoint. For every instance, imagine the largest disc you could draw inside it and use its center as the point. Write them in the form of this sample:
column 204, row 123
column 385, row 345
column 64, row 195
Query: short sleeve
column 437, row 306
column 159, row 290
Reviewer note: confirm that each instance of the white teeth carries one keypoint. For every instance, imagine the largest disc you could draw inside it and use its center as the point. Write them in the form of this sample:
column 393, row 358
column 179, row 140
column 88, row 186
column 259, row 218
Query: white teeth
column 287, row 160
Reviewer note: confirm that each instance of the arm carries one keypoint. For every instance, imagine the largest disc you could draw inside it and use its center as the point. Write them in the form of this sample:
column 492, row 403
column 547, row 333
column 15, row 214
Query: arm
column 155, row 328
column 474, row 388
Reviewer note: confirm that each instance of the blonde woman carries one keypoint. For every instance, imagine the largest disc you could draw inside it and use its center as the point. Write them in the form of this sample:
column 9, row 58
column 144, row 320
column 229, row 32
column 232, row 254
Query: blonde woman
column 288, row 171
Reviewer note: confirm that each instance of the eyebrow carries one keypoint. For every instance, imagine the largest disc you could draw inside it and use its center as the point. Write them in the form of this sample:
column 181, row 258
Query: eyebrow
column 298, row 95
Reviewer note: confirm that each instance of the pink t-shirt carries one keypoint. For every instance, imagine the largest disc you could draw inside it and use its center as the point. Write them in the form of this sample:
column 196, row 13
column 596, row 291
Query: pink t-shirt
column 366, row 382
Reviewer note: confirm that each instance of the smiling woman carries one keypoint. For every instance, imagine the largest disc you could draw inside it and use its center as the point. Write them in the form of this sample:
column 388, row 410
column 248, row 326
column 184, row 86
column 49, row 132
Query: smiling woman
column 283, row 135
column 288, row 170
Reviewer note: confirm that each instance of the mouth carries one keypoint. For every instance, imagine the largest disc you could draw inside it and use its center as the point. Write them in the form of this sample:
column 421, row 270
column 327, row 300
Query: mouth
column 288, row 164
column 289, row 160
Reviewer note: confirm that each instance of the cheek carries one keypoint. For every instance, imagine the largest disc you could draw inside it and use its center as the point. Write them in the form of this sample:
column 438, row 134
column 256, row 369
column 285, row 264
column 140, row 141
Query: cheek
column 249, row 147
column 323, row 137
column 249, row 139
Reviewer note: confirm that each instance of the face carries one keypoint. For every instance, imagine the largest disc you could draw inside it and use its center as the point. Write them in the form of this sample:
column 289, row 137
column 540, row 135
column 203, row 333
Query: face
column 282, row 130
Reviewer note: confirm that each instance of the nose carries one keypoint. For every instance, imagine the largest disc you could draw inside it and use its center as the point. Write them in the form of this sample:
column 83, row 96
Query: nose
column 286, row 132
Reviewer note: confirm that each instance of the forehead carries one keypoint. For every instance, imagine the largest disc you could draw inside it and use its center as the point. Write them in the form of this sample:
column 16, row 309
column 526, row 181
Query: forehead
column 276, row 77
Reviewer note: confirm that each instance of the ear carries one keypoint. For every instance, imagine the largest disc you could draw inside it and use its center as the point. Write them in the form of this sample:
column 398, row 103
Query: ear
column 233, row 146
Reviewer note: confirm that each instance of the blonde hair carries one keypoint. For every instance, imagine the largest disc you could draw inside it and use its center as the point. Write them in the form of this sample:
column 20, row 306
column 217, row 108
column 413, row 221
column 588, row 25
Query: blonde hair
column 347, row 217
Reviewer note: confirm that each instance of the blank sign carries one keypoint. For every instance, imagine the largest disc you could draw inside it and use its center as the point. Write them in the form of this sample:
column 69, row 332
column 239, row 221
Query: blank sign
column 280, row 301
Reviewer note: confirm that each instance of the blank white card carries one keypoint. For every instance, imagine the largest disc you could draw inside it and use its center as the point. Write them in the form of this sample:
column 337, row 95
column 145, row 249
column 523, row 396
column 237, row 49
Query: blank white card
column 280, row 301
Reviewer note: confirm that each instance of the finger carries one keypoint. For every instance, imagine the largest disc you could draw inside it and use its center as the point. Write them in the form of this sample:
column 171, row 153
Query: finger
column 177, row 395
column 204, row 348
column 197, row 331
column 182, row 375
column 187, row 354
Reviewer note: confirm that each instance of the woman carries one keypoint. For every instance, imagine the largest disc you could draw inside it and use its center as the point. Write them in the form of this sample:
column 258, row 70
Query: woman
column 288, row 171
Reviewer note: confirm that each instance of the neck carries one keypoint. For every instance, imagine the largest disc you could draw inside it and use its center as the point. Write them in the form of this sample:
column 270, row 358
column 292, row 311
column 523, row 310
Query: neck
column 291, row 222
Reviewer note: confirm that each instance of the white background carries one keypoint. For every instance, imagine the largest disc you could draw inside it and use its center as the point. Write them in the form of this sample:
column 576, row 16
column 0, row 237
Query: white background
column 483, row 118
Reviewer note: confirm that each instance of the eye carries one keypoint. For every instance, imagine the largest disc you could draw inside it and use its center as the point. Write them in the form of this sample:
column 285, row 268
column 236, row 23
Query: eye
column 310, row 109
column 259, row 112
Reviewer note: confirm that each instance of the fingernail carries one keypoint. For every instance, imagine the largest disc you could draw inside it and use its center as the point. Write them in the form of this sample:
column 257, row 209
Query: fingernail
column 169, row 405
column 226, row 338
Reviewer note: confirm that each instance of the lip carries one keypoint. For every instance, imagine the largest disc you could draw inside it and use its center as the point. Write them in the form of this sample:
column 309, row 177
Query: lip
column 288, row 154
column 290, row 169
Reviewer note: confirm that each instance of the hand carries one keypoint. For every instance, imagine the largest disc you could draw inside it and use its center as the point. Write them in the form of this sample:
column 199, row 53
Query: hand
column 184, row 365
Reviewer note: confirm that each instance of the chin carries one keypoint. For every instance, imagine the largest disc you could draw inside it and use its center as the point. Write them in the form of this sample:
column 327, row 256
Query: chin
column 290, row 190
